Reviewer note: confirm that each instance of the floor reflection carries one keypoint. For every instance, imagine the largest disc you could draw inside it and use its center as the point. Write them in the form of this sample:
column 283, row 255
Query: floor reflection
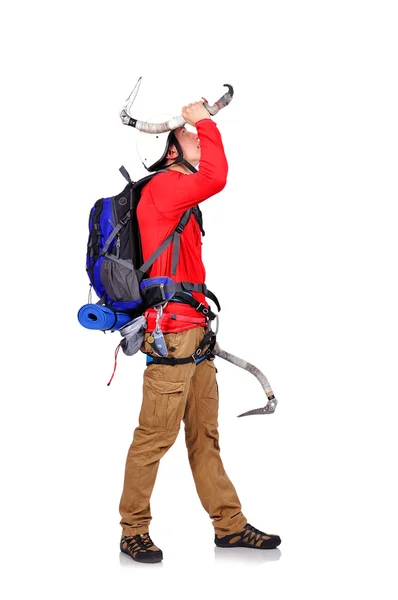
column 246, row 555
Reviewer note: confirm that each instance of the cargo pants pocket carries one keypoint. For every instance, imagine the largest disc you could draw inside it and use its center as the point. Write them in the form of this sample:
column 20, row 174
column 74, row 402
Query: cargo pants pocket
column 163, row 403
column 172, row 340
column 206, row 392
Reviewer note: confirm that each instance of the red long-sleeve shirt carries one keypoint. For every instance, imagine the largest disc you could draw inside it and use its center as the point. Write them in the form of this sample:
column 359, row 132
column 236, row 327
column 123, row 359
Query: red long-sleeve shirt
column 163, row 201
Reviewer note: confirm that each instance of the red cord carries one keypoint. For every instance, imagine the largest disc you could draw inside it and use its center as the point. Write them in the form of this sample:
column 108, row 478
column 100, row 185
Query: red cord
column 114, row 368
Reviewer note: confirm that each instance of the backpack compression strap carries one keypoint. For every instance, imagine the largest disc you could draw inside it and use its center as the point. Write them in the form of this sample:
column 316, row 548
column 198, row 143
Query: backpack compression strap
column 122, row 222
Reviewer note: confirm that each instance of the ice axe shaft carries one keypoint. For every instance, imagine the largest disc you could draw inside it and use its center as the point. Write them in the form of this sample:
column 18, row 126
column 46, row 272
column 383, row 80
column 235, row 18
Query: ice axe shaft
column 270, row 407
column 175, row 122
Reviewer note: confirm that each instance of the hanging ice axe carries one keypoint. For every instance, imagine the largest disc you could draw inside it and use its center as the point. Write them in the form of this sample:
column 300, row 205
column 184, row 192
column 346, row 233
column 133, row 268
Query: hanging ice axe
column 270, row 407
column 173, row 123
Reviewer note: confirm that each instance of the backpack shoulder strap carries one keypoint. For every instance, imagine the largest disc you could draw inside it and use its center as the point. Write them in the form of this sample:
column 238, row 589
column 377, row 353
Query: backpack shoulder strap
column 173, row 237
column 135, row 192
column 197, row 213
column 176, row 239
column 138, row 185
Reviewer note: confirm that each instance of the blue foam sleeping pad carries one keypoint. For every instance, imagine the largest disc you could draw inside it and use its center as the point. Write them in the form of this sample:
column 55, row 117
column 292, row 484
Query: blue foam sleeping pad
column 95, row 316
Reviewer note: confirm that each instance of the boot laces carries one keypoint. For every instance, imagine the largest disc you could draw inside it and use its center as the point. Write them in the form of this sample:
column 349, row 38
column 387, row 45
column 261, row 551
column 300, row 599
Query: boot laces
column 142, row 539
column 251, row 528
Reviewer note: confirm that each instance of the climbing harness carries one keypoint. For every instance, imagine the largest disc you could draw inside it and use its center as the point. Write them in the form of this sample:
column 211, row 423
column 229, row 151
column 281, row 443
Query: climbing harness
column 210, row 353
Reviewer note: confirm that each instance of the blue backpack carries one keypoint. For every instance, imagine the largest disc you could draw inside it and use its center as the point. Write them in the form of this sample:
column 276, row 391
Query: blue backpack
column 114, row 261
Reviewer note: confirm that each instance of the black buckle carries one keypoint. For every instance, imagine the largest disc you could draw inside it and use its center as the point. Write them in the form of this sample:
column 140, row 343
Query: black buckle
column 205, row 310
column 161, row 285
column 124, row 220
column 180, row 228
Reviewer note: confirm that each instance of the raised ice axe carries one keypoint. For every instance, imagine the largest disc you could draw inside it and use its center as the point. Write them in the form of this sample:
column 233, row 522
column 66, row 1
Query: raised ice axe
column 173, row 123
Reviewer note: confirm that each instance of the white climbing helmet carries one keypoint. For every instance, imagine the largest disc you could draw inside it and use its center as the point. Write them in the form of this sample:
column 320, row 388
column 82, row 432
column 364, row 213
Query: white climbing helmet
column 152, row 147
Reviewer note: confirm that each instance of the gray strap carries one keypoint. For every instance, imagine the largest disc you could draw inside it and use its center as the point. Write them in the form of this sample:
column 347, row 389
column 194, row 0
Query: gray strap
column 125, row 263
column 176, row 252
column 156, row 254
column 114, row 233
column 185, row 286
column 173, row 237
column 176, row 239
column 125, row 173
column 199, row 218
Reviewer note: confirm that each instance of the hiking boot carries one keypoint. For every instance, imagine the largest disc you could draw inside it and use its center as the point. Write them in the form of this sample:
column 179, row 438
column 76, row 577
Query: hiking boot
column 248, row 537
column 141, row 548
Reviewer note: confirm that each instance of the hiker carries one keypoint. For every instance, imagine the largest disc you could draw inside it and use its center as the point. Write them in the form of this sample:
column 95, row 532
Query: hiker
column 185, row 392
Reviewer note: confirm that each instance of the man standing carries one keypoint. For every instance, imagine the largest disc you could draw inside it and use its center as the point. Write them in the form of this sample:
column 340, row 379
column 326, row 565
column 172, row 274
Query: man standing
column 182, row 392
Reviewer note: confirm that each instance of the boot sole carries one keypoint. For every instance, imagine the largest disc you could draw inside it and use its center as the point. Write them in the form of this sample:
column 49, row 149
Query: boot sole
column 151, row 559
column 271, row 545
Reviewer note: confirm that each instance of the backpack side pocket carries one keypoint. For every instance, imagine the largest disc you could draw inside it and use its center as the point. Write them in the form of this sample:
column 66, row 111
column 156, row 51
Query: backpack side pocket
column 120, row 279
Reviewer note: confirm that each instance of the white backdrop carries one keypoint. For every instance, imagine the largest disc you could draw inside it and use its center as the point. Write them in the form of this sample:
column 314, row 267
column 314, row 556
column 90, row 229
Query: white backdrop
column 300, row 248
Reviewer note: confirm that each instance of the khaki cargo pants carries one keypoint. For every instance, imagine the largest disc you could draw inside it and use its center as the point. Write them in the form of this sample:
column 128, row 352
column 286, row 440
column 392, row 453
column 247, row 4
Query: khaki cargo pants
column 171, row 394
